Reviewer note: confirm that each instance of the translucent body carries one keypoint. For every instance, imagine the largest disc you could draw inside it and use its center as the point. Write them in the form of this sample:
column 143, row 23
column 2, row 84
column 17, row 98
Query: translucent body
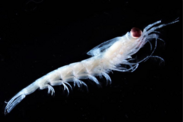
column 105, row 57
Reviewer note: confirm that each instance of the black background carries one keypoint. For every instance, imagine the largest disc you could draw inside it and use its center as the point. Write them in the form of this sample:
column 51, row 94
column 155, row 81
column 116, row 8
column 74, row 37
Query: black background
column 38, row 36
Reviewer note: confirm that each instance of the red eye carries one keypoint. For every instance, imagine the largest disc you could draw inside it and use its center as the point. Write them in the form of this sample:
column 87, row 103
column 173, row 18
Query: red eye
column 135, row 32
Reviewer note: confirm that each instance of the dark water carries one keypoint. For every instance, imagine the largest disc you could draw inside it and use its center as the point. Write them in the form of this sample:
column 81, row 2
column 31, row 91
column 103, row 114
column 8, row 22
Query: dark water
column 38, row 36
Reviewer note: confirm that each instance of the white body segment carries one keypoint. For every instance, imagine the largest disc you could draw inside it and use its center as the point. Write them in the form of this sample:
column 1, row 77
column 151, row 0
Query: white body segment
column 106, row 57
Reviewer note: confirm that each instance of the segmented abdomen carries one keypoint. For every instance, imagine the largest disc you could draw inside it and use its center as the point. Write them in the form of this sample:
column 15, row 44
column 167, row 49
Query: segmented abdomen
column 86, row 69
